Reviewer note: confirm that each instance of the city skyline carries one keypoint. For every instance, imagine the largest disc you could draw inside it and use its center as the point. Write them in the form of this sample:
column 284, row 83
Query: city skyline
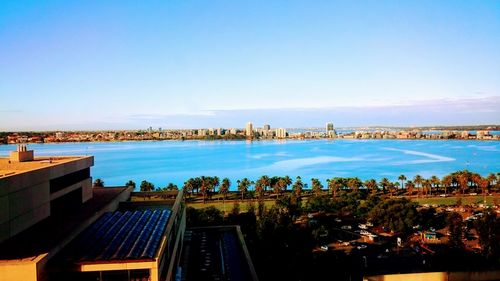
column 83, row 66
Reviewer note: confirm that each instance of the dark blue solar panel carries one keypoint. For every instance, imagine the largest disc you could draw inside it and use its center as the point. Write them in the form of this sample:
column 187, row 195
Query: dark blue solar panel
column 120, row 236
column 128, row 242
column 143, row 238
column 89, row 233
column 155, row 237
column 103, row 240
column 117, row 235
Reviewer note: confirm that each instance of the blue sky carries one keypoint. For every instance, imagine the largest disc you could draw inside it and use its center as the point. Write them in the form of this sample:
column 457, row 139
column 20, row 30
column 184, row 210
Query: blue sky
column 187, row 64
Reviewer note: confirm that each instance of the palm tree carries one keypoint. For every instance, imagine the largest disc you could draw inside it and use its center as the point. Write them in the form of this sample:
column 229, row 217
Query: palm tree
column 259, row 188
column 266, row 182
column 435, row 183
column 483, row 184
column 409, row 187
column 205, row 182
column 213, row 184
column 188, row 186
column 384, row 183
column 354, row 183
column 130, row 183
column 317, row 187
column 334, row 185
column 287, row 182
column 279, row 185
column 426, row 186
column 243, row 186
column 171, row 187
column 402, row 178
column 392, row 188
column 224, row 188
column 491, row 179
column 418, row 182
column 298, row 186
column 463, row 181
column 446, row 182
column 98, row 183
column 147, row 186
column 371, row 185
column 396, row 186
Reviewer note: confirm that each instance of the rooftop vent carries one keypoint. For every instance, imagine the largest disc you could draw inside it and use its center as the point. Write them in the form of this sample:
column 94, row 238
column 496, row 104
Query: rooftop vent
column 22, row 154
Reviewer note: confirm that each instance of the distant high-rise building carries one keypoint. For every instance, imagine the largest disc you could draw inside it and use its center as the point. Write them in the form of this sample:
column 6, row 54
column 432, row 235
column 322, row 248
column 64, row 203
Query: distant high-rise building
column 267, row 127
column 280, row 133
column 329, row 126
column 330, row 130
column 249, row 129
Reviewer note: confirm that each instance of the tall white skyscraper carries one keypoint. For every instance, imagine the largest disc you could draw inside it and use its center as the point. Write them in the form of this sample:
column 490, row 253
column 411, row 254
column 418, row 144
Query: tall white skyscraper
column 249, row 129
column 280, row 133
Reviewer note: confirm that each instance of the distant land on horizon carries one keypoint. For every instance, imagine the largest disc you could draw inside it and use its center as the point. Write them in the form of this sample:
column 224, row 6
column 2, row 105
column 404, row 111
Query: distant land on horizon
column 491, row 127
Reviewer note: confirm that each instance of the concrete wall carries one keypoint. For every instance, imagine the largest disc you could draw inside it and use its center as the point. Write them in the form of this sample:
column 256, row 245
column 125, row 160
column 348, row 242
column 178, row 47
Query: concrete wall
column 25, row 197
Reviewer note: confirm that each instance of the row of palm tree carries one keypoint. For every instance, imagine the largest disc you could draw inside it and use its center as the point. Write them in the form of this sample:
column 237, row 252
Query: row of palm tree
column 457, row 182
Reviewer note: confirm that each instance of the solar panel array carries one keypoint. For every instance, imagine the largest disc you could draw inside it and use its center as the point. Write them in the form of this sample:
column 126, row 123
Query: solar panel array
column 122, row 236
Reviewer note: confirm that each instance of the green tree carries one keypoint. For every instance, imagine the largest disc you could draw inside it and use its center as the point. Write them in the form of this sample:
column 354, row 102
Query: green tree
column 435, row 182
column 488, row 228
column 371, row 185
column 171, row 187
column 259, row 188
column 98, row 183
column 402, row 178
column 463, row 181
column 384, row 183
column 243, row 186
column 426, row 186
column 446, row 182
column 397, row 214
column 354, row 184
column 147, row 186
column 298, row 186
column 317, row 187
column 417, row 180
column 130, row 183
column 224, row 188
column 409, row 187
column 455, row 224
column 266, row 182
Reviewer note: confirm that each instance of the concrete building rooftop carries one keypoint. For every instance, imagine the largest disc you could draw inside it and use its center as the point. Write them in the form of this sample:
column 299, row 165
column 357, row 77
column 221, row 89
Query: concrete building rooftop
column 10, row 168
column 43, row 237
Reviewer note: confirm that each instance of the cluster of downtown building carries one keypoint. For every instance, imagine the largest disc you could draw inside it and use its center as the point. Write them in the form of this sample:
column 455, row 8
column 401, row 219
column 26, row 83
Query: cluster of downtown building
column 266, row 132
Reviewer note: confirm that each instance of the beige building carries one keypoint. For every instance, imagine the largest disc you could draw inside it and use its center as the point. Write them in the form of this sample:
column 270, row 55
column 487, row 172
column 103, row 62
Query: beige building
column 280, row 133
column 56, row 226
column 249, row 129
column 31, row 189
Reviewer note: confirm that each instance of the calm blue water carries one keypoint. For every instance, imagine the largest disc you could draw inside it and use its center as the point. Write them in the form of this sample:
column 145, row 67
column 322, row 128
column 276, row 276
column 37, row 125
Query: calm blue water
column 176, row 161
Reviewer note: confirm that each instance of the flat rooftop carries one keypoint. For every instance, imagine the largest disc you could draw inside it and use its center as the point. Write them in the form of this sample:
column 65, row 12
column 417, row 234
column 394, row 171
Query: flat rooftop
column 10, row 168
column 119, row 236
column 42, row 237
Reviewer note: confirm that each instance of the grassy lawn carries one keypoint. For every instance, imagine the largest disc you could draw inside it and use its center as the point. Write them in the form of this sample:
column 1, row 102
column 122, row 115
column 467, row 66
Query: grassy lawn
column 466, row 200
column 244, row 205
